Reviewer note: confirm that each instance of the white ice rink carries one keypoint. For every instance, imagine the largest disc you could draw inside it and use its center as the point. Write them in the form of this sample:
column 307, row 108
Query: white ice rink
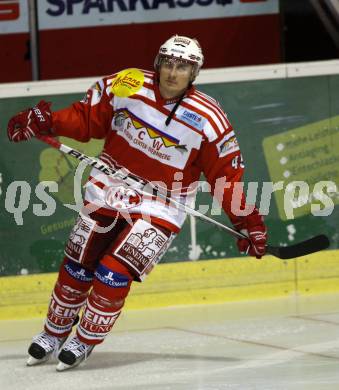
column 267, row 345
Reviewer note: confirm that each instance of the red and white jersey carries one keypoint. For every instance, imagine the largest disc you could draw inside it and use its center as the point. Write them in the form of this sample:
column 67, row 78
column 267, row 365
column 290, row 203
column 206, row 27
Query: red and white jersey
column 198, row 139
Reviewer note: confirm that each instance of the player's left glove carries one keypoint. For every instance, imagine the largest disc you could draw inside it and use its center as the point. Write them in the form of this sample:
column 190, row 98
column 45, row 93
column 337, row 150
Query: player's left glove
column 252, row 226
column 31, row 122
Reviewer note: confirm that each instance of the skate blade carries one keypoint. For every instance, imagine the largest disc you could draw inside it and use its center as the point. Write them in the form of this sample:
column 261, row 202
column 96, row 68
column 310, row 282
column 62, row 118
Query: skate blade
column 31, row 361
column 62, row 366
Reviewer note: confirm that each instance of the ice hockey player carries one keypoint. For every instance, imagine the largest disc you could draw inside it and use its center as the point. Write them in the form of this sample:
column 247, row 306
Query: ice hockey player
column 159, row 127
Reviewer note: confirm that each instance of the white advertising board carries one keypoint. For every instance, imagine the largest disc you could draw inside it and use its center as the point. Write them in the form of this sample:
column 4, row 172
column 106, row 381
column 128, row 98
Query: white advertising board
column 61, row 14
column 13, row 17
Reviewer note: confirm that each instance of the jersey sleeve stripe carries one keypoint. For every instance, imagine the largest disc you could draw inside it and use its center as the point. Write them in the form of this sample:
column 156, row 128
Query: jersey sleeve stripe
column 213, row 103
column 220, row 119
column 147, row 73
column 216, row 110
column 203, row 114
column 206, row 97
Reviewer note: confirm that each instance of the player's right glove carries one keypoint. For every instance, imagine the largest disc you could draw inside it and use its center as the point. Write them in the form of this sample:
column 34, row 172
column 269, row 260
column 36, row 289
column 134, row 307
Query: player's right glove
column 252, row 226
column 31, row 122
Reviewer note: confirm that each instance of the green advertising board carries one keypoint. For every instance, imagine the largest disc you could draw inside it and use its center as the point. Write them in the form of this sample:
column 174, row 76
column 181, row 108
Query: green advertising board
column 288, row 134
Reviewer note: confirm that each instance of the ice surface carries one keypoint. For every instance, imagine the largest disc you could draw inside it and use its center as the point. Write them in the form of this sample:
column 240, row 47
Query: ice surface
column 268, row 345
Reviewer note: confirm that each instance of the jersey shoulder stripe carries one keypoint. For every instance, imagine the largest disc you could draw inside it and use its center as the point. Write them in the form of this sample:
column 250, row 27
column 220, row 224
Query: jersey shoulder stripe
column 215, row 107
column 214, row 103
column 147, row 73
column 191, row 105
column 220, row 119
column 206, row 97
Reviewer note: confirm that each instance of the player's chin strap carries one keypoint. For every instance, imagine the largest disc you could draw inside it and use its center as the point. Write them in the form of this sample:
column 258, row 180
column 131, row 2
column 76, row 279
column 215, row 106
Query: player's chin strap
column 312, row 245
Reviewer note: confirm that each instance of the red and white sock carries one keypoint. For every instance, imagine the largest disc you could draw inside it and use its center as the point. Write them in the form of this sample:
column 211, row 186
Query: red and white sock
column 68, row 297
column 103, row 306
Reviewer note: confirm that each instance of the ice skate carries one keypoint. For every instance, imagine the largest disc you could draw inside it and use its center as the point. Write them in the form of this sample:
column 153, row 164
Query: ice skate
column 43, row 347
column 73, row 353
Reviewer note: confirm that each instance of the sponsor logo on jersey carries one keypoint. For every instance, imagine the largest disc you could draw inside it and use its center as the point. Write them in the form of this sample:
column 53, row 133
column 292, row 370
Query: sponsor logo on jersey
column 119, row 119
column 166, row 139
column 127, row 79
column 193, row 119
column 159, row 137
column 127, row 82
column 227, row 145
column 110, row 278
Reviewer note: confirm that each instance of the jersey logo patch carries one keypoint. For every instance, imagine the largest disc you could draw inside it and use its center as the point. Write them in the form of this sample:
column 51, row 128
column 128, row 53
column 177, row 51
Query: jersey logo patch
column 166, row 139
column 153, row 133
column 227, row 145
column 119, row 119
column 193, row 119
column 142, row 247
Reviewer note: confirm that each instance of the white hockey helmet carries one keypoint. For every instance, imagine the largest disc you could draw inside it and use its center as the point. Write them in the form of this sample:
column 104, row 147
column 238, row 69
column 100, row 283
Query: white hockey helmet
column 181, row 48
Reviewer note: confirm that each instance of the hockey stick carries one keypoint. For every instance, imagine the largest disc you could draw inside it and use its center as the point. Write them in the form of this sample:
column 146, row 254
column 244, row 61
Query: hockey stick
column 303, row 248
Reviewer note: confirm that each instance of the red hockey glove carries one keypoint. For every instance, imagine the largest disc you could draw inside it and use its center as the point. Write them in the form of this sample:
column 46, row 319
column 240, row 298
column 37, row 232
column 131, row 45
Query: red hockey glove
column 31, row 122
column 253, row 226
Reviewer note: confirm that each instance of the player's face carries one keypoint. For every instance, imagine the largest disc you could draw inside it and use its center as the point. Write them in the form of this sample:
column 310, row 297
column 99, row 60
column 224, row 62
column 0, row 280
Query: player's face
column 174, row 77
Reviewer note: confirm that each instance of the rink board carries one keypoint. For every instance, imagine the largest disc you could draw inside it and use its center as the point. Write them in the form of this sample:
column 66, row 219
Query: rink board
column 295, row 121
column 187, row 283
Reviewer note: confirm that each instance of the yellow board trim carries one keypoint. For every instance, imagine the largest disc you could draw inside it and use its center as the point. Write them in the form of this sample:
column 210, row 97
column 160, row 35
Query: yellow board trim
column 199, row 282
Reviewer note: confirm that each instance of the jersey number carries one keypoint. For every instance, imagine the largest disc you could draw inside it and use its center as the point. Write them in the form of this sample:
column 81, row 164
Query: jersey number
column 238, row 162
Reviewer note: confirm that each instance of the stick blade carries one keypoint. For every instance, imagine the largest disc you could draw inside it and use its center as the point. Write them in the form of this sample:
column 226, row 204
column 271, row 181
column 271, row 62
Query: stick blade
column 314, row 244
